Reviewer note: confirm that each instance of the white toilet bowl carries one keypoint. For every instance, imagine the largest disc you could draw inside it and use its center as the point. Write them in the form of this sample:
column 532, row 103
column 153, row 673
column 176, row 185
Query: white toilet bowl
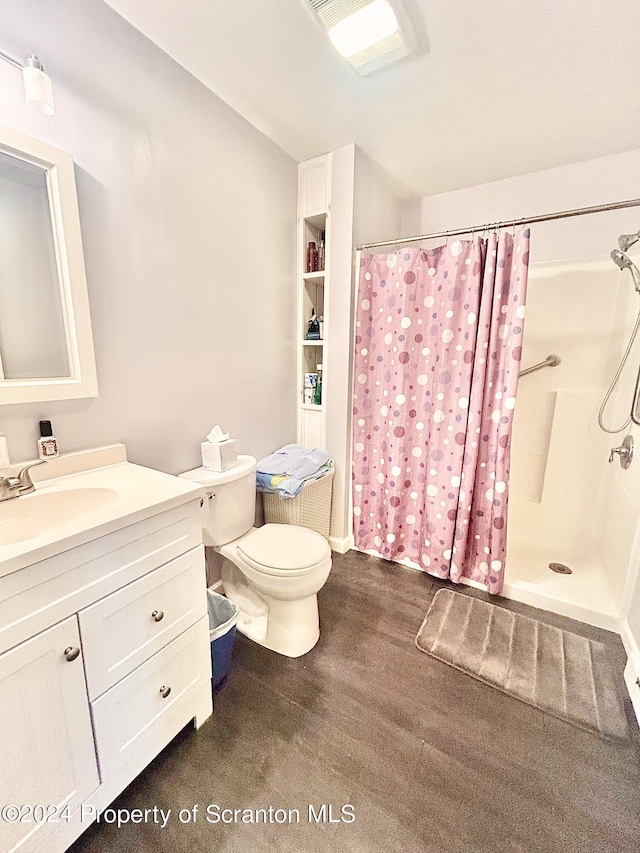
column 273, row 573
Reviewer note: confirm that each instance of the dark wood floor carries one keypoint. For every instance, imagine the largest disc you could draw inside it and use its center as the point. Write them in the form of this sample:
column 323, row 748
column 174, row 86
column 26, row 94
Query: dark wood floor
column 431, row 759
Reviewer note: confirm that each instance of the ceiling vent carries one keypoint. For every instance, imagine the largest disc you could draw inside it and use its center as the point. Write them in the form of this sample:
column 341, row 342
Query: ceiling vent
column 367, row 33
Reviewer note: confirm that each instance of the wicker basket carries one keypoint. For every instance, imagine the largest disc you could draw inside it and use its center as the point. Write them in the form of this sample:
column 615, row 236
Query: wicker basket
column 310, row 508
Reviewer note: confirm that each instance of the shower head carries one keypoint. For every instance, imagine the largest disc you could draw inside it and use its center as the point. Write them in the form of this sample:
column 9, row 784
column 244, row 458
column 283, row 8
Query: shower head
column 625, row 263
column 626, row 241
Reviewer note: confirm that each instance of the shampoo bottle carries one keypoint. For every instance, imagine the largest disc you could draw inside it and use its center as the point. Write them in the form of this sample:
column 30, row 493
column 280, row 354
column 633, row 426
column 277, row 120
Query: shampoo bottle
column 317, row 396
column 47, row 444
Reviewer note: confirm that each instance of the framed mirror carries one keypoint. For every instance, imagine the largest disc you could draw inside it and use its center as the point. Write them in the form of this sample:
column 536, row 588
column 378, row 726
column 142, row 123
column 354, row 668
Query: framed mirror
column 46, row 346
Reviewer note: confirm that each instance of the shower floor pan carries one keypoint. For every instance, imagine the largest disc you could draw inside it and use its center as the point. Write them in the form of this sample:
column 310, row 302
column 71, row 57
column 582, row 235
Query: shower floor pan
column 584, row 594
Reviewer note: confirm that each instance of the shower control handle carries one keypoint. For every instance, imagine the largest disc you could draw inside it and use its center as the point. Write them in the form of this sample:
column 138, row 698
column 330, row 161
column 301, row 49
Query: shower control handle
column 625, row 452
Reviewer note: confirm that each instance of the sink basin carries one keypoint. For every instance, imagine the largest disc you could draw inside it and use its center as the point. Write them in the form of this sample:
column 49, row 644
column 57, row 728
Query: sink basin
column 81, row 496
column 30, row 515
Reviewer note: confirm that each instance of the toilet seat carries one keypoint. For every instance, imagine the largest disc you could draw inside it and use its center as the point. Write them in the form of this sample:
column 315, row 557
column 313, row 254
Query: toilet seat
column 284, row 549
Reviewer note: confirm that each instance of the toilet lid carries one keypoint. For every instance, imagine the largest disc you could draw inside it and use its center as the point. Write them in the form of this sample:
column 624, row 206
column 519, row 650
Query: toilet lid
column 284, row 546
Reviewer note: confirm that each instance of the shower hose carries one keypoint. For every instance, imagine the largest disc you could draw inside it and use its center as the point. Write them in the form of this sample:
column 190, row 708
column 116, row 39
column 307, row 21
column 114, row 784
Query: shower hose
column 627, row 423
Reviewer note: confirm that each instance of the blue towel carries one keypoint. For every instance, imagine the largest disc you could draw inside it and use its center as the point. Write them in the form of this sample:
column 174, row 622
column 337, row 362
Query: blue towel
column 294, row 461
column 287, row 487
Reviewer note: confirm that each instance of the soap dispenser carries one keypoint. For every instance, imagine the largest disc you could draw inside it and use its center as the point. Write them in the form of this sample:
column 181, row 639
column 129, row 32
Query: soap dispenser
column 47, row 444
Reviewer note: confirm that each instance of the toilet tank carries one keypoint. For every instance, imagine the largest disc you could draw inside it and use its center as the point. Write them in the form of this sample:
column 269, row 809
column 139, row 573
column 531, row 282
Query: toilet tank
column 231, row 499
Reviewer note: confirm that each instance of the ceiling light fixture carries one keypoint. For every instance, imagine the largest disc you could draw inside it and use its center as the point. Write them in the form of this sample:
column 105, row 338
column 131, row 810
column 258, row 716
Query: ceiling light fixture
column 368, row 33
column 38, row 90
column 360, row 30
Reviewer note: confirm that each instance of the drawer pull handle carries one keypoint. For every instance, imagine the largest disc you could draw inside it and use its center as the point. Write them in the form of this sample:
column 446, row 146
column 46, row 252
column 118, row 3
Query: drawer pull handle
column 164, row 691
column 157, row 615
column 71, row 653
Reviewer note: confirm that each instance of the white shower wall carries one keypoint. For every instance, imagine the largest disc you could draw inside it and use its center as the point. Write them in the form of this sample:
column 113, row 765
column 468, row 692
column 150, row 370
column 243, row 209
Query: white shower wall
column 568, row 504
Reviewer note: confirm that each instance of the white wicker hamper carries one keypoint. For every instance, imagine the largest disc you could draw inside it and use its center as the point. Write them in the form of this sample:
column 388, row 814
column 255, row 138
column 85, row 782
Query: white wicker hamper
column 310, row 508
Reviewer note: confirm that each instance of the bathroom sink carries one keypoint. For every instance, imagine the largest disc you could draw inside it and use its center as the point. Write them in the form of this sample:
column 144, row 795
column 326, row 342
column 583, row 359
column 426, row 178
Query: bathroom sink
column 80, row 496
column 30, row 515
column 15, row 530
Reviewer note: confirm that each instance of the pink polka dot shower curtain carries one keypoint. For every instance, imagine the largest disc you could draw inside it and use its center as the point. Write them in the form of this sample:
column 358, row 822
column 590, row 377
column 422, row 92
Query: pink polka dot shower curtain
column 438, row 346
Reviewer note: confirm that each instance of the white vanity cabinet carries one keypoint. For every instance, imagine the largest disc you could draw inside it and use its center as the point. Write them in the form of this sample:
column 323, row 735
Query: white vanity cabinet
column 104, row 658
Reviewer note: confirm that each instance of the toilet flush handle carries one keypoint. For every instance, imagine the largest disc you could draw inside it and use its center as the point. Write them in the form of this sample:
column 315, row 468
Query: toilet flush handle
column 204, row 509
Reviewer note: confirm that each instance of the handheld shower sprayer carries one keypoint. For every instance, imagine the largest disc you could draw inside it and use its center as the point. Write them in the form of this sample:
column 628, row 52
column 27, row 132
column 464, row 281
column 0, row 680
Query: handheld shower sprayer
column 625, row 263
column 622, row 260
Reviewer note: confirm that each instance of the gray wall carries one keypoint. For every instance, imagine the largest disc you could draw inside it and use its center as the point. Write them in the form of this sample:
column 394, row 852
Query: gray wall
column 188, row 221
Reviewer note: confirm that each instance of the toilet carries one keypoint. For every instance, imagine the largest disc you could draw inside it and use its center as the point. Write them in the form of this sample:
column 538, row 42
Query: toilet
column 272, row 573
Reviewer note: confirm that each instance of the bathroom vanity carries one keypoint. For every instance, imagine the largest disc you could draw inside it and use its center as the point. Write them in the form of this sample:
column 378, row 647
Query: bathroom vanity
column 104, row 640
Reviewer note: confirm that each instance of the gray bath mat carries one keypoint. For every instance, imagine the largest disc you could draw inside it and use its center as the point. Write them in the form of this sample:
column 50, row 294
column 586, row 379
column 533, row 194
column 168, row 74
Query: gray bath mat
column 554, row 670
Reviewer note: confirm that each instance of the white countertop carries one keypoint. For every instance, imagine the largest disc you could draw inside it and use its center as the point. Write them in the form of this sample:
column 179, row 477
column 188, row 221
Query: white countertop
column 70, row 509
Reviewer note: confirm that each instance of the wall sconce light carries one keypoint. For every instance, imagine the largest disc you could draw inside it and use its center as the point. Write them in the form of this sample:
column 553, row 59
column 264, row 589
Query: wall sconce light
column 38, row 91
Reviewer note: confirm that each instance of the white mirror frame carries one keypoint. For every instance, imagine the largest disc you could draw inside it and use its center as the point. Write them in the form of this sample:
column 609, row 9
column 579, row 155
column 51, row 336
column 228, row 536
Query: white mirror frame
column 63, row 201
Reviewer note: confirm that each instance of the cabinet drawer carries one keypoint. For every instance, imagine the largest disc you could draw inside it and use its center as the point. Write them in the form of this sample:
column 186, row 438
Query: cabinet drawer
column 133, row 720
column 36, row 597
column 126, row 628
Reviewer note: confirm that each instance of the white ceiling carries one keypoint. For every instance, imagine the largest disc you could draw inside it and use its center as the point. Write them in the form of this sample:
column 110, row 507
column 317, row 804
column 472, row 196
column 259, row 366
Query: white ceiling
column 498, row 88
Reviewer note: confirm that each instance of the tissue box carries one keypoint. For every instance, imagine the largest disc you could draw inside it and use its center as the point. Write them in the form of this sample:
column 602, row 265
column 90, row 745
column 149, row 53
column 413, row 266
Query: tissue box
column 219, row 457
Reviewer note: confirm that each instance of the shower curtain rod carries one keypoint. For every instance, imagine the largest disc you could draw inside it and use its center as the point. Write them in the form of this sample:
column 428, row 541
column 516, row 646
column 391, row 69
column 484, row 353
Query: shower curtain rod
column 545, row 217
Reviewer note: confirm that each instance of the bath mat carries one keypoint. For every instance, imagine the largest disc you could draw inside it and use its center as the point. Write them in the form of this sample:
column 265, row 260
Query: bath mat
column 554, row 670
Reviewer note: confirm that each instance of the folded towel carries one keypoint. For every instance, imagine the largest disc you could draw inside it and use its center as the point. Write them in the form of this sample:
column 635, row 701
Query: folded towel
column 287, row 487
column 294, row 461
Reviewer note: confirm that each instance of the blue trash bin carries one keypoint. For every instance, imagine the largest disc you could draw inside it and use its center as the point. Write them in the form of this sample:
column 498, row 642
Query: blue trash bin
column 223, row 615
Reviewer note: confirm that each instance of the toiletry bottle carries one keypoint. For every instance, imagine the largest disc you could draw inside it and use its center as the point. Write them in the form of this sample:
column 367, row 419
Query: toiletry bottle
column 312, row 257
column 47, row 444
column 321, row 252
column 313, row 327
column 317, row 397
column 4, row 452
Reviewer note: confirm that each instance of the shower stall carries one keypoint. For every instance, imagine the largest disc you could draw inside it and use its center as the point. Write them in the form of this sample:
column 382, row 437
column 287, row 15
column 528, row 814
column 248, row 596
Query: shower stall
column 572, row 544
column 570, row 507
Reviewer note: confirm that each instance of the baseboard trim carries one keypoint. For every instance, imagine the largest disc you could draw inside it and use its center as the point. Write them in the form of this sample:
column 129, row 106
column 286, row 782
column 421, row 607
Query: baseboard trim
column 632, row 680
column 341, row 545
column 629, row 642
column 632, row 669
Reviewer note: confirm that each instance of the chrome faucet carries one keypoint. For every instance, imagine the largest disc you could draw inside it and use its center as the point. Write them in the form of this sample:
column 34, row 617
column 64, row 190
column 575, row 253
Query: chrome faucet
column 13, row 487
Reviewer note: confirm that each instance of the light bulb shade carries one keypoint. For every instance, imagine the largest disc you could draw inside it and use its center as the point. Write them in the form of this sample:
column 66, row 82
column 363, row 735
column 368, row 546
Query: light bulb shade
column 38, row 91
column 365, row 27
column 369, row 34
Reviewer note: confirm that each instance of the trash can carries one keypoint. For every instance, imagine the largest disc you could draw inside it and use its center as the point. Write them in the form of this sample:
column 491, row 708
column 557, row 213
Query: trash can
column 223, row 615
